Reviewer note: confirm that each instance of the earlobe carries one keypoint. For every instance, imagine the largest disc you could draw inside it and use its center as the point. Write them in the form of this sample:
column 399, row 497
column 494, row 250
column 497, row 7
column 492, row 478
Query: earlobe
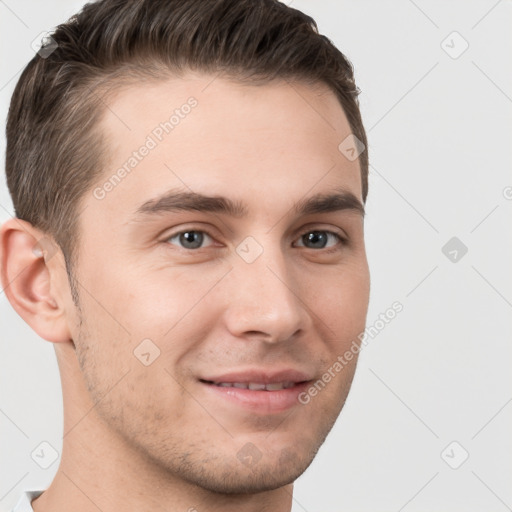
column 25, row 253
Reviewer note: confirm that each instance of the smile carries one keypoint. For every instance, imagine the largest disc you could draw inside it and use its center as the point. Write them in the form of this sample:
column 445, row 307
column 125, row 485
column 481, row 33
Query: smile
column 254, row 386
column 255, row 397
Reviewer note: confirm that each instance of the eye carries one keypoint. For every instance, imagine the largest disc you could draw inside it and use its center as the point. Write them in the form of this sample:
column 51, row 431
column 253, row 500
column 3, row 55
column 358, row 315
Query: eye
column 318, row 239
column 190, row 239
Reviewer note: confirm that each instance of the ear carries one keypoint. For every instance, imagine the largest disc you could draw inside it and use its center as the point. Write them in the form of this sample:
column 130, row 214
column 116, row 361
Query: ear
column 30, row 287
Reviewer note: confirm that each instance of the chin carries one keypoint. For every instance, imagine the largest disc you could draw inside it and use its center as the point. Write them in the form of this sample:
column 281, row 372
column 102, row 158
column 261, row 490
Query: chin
column 232, row 477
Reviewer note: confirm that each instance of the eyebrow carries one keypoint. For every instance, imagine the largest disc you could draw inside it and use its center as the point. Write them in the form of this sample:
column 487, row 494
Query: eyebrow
column 175, row 201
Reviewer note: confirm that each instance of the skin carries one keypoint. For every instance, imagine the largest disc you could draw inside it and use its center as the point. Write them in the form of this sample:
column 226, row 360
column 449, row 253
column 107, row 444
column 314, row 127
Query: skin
column 142, row 437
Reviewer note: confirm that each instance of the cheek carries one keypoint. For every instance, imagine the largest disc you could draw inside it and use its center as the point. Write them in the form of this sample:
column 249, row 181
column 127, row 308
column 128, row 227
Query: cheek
column 131, row 392
column 341, row 301
column 353, row 304
column 153, row 301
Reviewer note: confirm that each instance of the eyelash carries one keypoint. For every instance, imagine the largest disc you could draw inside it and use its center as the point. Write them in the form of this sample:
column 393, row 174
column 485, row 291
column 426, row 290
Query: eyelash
column 342, row 241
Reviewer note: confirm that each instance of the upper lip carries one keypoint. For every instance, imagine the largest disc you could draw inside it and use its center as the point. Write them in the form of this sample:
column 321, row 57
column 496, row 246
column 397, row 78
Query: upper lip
column 261, row 376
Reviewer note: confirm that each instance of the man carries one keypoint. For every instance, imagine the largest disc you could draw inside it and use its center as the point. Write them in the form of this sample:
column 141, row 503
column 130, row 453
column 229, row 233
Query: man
column 189, row 181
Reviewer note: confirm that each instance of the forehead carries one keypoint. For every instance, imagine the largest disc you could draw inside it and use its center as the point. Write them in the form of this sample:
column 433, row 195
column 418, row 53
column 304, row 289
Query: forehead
column 213, row 135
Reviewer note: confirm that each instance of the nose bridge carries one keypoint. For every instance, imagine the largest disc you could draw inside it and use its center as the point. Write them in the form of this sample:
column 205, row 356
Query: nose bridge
column 266, row 299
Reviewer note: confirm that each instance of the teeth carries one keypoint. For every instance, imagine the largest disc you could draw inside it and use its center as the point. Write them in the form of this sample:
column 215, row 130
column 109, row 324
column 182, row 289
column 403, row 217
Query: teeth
column 256, row 386
column 275, row 386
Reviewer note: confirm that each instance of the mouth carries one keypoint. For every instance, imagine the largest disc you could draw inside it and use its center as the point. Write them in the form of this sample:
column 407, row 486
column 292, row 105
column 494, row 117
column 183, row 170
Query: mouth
column 258, row 392
column 254, row 386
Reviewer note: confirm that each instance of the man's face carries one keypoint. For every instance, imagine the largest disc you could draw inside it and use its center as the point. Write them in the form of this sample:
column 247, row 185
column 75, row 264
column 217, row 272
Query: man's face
column 176, row 301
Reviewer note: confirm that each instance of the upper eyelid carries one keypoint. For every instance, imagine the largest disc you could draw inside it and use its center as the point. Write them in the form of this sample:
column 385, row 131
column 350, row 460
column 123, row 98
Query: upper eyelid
column 310, row 226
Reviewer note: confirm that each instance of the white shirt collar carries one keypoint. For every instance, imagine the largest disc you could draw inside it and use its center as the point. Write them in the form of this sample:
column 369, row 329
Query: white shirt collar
column 24, row 503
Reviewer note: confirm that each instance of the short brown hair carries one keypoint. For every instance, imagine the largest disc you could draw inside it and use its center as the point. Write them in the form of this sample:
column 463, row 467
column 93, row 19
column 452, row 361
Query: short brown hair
column 54, row 151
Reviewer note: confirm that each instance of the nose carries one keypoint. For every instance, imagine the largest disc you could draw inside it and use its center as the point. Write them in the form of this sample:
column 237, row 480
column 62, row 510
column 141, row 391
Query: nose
column 266, row 299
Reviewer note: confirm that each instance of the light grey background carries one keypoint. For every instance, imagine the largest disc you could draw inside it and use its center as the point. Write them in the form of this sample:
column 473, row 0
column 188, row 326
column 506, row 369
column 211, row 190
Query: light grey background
column 439, row 132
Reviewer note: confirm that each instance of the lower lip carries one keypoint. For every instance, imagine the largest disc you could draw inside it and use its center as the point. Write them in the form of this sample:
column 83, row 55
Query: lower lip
column 257, row 400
